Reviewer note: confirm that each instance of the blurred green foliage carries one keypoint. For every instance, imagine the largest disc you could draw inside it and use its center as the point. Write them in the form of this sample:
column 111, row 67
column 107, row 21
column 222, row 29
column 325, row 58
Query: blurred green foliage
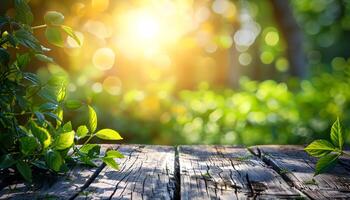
column 293, row 112
column 152, row 102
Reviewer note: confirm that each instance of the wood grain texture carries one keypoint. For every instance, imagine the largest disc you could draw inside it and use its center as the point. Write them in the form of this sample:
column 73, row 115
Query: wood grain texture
column 298, row 167
column 55, row 187
column 147, row 172
column 226, row 172
column 195, row 172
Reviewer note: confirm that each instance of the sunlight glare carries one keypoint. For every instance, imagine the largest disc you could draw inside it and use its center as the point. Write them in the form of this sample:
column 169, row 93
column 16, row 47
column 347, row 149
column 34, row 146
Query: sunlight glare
column 145, row 27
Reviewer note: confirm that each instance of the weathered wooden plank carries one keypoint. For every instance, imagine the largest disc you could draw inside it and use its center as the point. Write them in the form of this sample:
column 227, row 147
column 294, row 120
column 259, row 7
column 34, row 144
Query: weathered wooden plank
column 226, row 172
column 55, row 187
column 147, row 172
column 298, row 167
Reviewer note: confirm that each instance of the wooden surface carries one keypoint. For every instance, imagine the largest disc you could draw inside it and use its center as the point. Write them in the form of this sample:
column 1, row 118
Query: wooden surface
column 195, row 172
column 228, row 173
column 297, row 167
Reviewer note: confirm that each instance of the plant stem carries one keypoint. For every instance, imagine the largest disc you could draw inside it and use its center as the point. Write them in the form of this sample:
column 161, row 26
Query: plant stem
column 88, row 140
column 39, row 26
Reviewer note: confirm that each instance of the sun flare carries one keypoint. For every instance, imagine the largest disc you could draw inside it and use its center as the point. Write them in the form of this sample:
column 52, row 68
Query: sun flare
column 145, row 27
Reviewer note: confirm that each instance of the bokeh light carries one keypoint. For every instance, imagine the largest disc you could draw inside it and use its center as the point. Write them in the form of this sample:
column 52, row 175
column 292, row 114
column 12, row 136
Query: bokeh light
column 112, row 85
column 103, row 58
column 272, row 38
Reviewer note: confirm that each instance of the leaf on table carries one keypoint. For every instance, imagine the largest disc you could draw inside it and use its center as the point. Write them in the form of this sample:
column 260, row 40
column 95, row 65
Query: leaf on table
column 113, row 154
column 337, row 134
column 319, row 148
column 325, row 163
column 92, row 150
column 111, row 163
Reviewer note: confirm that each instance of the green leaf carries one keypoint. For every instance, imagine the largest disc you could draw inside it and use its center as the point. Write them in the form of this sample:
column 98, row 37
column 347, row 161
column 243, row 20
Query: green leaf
column 6, row 161
column 82, row 131
column 64, row 140
column 92, row 150
column 53, row 160
column 92, row 119
column 39, row 116
column 23, row 12
column 31, row 77
column 48, row 106
column 27, row 39
column 87, row 160
column 41, row 134
column 61, row 93
column 71, row 33
column 325, row 163
column 113, row 154
column 53, row 35
column 108, row 134
column 67, row 127
column 47, row 94
column 111, row 163
column 58, row 80
column 22, row 60
column 28, row 144
column 319, row 148
column 40, row 164
column 25, row 170
column 59, row 114
column 73, row 104
column 44, row 58
column 337, row 134
column 53, row 18
column 54, row 116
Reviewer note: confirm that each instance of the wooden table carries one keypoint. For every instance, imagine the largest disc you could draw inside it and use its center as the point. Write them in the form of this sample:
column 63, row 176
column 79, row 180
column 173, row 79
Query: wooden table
column 197, row 172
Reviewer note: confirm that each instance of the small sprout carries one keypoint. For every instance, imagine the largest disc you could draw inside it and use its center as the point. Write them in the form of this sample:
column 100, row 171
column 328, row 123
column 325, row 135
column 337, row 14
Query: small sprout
column 310, row 182
column 244, row 158
column 284, row 171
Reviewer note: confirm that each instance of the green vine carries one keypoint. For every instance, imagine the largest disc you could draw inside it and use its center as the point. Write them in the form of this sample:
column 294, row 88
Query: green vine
column 33, row 132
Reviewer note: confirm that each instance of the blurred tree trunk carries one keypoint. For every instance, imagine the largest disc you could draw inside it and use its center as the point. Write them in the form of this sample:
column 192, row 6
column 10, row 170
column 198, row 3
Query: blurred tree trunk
column 293, row 36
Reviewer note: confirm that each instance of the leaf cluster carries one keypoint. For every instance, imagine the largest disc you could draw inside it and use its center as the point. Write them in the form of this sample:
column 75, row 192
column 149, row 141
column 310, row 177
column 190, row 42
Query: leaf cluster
column 33, row 133
column 328, row 152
